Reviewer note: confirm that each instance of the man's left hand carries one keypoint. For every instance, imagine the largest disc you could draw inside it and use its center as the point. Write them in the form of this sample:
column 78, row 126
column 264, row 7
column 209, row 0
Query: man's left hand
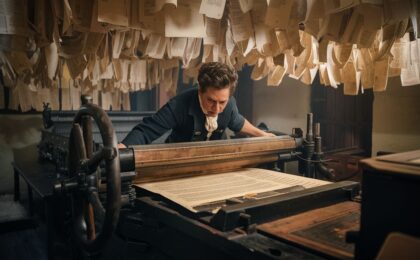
column 269, row 134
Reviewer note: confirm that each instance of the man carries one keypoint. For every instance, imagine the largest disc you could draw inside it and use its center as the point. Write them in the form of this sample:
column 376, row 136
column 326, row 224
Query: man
column 197, row 114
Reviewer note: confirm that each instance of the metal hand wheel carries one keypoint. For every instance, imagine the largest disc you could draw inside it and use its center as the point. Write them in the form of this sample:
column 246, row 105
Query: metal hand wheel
column 93, row 223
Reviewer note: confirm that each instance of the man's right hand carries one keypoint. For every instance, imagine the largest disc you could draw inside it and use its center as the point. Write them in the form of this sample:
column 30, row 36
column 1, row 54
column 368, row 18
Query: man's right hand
column 121, row 145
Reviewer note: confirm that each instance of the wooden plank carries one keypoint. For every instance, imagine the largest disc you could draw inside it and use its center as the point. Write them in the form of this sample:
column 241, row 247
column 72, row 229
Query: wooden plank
column 322, row 229
column 167, row 172
column 391, row 168
column 158, row 162
column 407, row 158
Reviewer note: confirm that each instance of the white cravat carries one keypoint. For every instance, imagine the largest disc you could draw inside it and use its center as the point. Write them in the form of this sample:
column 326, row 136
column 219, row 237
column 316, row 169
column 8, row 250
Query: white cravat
column 211, row 121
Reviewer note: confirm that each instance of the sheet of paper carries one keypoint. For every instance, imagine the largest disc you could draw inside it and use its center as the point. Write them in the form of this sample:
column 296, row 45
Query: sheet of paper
column 116, row 101
column 338, row 6
column 131, row 42
column 148, row 19
column 342, row 52
column 308, row 76
column 215, row 52
column 72, row 46
column 212, row 8
column 76, row 66
column 331, row 78
column 45, row 22
column 400, row 51
column 66, row 99
column 349, row 79
column 260, row 70
column 103, row 54
column 195, row 191
column 177, row 47
column 13, row 18
column 230, row 44
column 353, row 28
column 323, row 77
column 322, row 50
column 114, row 12
column 332, row 25
column 75, row 94
column 159, row 4
column 166, row 82
column 138, row 75
column 258, row 12
column 153, row 70
column 414, row 52
column 82, row 13
column 278, row 13
column 207, row 54
column 250, row 47
column 381, row 74
column 19, row 61
column 289, row 62
column 67, row 16
column 117, row 43
column 106, row 100
column 396, row 10
column 25, row 96
column 263, row 39
column 246, row 5
column 410, row 76
column 93, row 42
column 125, row 100
column 415, row 19
column 293, row 36
column 175, row 76
column 95, row 25
column 275, row 76
column 240, row 22
column 185, row 20
column 213, row 31
column 155, row 46
column 366, row 68
column 314, row 10
column 282, row 41
column 51, row 56
column 192, row 51
column 125, row 64
column 302, row 60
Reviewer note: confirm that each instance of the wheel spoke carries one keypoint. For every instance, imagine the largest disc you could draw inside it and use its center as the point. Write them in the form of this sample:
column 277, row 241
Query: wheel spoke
column 93, row 162
column 87, row 135
column 98, row 209
column 77, row 150
column 90, row 221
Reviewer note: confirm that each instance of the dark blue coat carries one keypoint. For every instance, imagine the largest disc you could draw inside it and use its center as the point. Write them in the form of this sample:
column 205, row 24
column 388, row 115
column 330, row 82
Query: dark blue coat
column 183, row 115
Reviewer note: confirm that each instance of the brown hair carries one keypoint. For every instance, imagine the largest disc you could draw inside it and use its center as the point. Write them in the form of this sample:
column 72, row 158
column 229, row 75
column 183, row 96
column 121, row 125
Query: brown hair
column 217, row 75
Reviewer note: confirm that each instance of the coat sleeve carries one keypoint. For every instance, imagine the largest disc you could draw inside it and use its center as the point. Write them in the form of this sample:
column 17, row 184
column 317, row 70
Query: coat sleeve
column 153, row 127
column 236, row 120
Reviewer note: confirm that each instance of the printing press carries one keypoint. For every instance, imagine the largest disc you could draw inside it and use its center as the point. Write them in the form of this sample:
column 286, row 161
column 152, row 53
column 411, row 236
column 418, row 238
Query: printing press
column 110, row 211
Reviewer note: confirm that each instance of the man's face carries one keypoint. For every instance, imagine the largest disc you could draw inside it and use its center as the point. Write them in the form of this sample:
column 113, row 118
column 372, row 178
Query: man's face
column 214, row 100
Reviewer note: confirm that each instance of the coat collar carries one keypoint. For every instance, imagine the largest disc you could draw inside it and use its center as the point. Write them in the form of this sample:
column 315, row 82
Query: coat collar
column 194, row 108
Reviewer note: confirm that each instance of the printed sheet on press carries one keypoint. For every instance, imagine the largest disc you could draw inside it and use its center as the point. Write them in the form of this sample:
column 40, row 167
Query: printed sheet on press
column 194, row 192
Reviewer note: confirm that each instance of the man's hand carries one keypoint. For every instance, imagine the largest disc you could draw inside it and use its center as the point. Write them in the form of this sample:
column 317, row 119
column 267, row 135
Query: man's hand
column 121, row 145
column 269, row 134
column 251, row 130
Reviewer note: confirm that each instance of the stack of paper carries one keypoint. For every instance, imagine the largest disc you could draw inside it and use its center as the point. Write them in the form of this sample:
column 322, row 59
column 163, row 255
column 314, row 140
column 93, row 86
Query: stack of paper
column 111, row 47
